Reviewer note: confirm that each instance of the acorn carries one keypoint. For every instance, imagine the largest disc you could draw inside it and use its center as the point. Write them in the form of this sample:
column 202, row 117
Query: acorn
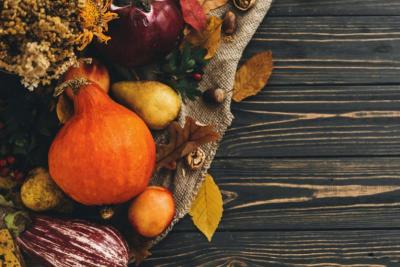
column 229, row 23
column 214, row 96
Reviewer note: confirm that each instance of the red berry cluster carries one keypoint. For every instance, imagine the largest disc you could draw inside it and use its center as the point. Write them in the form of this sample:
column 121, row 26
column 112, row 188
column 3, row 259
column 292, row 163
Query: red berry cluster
column 7, row 168
column 197, row 76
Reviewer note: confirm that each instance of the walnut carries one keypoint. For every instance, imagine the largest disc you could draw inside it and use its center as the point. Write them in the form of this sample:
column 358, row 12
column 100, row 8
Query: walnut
column 229, row 24
column 244, row 5
column 196, row 159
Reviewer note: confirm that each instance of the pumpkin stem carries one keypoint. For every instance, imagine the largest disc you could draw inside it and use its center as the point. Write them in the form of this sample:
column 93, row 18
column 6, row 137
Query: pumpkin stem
column 74, row 84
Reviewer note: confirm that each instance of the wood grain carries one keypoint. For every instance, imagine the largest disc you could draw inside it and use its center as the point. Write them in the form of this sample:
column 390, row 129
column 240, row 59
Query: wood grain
column 334, row 7
column 286, row 121
column 315, row 106
column 289, row 194
column 310, row 169
column 331, row 50
column 334, row 92
column 298, row 248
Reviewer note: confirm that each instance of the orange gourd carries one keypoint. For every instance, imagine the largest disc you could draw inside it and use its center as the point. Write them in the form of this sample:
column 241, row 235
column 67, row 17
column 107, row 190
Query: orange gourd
column 104, row 154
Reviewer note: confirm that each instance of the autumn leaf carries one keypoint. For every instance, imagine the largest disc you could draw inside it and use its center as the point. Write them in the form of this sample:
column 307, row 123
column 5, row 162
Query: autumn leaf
column 64, row 108
column 209, row 5
column 183, row 141
column 210, row 38
column 193, row 14
column 139, row 248
column 207, row 208
column 252, row 76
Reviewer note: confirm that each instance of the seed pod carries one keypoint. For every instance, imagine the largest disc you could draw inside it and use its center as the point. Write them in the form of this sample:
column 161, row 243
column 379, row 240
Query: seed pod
column 215, row 96
column 244, row 5
column 195, row 160
column 229, row 24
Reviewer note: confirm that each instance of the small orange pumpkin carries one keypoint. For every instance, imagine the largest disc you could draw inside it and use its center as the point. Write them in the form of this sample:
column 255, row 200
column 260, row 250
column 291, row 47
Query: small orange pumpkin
column 104, row 154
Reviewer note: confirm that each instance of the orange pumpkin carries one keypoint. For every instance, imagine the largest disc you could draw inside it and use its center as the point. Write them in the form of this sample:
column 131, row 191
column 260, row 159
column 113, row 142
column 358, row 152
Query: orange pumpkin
column 104, row 154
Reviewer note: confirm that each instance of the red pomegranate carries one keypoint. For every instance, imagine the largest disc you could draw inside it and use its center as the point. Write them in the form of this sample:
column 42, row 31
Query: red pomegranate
column 143, row 32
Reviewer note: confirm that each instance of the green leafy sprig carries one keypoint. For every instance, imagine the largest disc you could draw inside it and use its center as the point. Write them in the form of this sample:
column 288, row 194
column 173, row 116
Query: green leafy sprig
column 178, row 68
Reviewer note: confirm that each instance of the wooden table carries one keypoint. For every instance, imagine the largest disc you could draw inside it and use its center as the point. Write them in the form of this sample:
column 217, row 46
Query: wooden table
column 310, row 169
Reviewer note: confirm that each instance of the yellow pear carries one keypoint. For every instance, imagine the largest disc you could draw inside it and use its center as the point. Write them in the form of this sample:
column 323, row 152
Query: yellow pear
column 156, row 103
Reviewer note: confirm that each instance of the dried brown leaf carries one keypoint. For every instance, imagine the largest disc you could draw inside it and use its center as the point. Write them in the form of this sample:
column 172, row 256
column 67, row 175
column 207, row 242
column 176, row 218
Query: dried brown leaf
column 64, row 108
column 139, row 248
column 252, row 76
column 183, row 141
column 210, row 38
column 209, row 5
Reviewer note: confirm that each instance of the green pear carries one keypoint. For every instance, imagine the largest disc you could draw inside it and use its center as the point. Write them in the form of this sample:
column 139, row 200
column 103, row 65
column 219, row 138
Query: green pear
column 156, row 103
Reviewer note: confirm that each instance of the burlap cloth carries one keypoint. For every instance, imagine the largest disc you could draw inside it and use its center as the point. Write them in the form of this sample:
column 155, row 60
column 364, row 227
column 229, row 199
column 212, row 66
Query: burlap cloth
column 219, row 73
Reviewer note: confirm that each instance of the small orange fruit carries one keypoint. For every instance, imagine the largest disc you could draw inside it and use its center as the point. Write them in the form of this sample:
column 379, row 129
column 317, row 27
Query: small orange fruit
column 152, row 211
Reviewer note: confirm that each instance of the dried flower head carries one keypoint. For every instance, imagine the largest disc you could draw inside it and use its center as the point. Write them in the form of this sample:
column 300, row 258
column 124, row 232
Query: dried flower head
column 95, row 16
column 39, row 38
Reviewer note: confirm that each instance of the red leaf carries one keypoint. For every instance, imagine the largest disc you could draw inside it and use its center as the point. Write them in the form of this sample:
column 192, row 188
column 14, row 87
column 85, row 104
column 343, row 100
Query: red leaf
column 193, row 14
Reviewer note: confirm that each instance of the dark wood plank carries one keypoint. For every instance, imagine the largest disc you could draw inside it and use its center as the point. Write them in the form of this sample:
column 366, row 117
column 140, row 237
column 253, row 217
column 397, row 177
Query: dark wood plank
column 287, row 194
column 316, row 121
column 290, row 194
column 327, row 248
column 334, row 7
column 331, row 50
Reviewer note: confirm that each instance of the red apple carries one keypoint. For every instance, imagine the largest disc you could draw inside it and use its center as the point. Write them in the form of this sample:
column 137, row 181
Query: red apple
column 152, row 211
column 142, row 34
column 95, row 72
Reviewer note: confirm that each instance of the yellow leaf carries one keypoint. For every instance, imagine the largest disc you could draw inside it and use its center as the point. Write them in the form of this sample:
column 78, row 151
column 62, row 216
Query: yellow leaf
column 252, row 76
column 209, row 5
column 64, row 109
column 210, row 38
column 206, row 210
column 8, row 251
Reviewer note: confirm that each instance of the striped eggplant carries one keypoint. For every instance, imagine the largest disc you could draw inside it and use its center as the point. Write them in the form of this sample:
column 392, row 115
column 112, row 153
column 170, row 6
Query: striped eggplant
column 74, row 243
